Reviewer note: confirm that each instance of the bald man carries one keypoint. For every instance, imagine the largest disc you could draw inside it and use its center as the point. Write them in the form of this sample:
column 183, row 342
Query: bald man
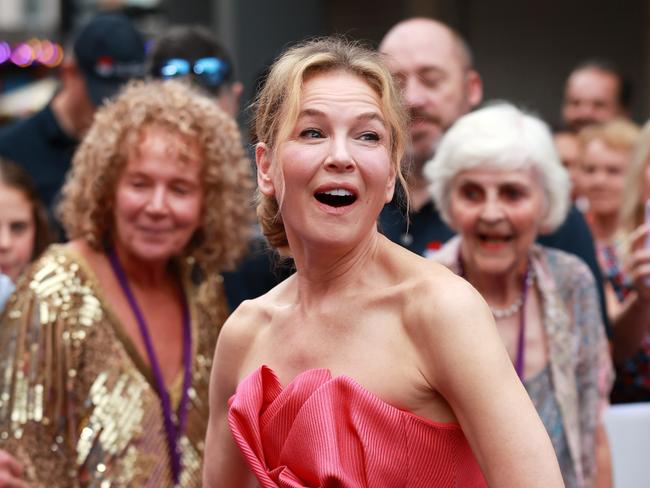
column 434, row 67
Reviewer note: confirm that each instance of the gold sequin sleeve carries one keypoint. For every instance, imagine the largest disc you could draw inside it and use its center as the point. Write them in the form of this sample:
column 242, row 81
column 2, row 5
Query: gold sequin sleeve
column 77, row 404
column 37, row 373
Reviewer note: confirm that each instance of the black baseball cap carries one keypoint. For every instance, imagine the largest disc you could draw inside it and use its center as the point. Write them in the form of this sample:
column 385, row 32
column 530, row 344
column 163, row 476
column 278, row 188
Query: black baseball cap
column 110, row 51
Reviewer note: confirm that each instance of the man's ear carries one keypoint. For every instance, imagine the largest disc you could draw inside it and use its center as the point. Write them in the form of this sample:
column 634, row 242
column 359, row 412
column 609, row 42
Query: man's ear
column 474, row 88
column 264, row 177
column 229, row 97
column 236, row 89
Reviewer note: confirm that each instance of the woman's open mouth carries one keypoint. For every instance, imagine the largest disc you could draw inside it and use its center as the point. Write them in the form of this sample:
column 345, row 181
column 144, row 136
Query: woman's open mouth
column 495, row 238
column 336, row 197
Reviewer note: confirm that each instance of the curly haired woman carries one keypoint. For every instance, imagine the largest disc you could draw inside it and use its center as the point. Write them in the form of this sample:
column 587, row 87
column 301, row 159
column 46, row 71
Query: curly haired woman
column 105, row 352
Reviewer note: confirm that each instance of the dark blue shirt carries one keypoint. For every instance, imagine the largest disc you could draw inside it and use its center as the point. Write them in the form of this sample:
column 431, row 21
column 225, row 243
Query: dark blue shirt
column 42, row 148
column 260, row 270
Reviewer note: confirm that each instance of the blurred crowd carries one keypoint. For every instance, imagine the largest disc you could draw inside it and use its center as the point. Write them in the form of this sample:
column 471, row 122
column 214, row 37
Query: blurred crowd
column 127, row 204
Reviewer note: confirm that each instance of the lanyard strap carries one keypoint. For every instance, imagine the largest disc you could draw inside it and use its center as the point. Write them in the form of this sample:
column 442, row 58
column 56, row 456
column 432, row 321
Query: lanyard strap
column 173, row 430
column 521, row 340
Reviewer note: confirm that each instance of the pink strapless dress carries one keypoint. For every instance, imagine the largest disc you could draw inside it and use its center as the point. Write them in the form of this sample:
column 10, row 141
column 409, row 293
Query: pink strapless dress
column 329, row 432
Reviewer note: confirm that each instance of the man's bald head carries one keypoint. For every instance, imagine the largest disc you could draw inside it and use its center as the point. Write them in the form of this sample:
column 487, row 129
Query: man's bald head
column 421, row 26
column 433, row 65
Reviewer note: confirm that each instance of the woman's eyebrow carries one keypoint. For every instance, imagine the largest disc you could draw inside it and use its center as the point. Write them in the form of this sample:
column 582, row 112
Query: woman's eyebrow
column 371, row 115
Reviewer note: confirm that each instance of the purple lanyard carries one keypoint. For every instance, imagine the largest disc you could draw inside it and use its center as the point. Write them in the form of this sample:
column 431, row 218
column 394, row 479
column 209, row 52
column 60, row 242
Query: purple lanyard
column 521, row 341
column 173, row 430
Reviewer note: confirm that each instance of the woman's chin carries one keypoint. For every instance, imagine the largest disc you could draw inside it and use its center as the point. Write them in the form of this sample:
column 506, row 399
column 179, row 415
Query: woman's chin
column 153, row 252
column 495, row 266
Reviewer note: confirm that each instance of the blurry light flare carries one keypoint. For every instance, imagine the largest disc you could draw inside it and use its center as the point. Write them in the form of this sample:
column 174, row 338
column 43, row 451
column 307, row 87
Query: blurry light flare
column 55, row 57
column 5, row 52
column 51, row 54
column 35, row 45
column 46, row 52
column 22, row 55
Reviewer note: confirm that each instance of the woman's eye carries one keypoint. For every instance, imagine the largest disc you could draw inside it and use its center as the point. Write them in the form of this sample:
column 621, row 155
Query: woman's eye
column 471, row 192
column 369, row 136
column 311, row 133
column 138, row 183
column 512, row 193
column 180, row 189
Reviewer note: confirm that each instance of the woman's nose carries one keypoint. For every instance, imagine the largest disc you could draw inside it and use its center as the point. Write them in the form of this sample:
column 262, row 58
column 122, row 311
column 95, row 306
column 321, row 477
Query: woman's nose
column 157, row 203
column 492, row 210
column 339, row 158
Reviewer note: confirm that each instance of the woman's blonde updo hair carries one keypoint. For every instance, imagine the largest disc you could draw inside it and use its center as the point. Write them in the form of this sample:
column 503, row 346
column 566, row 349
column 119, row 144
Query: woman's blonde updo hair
column 86, row 209
column 278, row 104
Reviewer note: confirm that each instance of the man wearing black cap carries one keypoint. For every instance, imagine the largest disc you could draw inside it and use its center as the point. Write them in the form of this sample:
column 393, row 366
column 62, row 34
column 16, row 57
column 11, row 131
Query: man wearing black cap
column 107, row 52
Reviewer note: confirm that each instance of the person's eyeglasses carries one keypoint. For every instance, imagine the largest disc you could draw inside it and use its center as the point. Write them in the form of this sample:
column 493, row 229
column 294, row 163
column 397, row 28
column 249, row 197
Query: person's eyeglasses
column 210, row 71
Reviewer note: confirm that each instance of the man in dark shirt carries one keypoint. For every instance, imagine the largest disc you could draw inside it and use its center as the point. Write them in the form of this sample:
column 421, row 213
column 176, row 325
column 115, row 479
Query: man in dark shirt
column 434, row 67
column 107, row 52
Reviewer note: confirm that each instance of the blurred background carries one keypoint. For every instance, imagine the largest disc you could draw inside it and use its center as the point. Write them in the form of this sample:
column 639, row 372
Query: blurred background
column 524, row 50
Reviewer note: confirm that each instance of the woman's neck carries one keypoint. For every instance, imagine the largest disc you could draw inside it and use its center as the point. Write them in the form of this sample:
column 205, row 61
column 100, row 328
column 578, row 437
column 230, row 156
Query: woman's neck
column 604, row 226
column 321, row 271
column 141, row 272
column 499, row 290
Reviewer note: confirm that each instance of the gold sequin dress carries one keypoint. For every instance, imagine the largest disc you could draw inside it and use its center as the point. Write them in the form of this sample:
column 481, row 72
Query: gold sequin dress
column 78, row 406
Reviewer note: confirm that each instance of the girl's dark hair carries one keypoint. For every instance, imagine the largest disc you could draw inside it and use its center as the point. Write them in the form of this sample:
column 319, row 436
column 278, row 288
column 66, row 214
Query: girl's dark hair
column 14, row 176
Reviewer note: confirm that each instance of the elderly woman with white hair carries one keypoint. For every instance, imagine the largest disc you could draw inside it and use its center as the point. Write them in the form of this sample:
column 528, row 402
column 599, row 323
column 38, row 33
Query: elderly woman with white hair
column 498, row 182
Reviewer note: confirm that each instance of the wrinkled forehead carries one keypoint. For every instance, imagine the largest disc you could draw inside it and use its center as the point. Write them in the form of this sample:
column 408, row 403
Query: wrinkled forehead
column 329, row 83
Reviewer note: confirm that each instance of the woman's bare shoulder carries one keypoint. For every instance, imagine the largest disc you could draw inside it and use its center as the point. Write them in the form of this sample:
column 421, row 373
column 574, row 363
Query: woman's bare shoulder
column 431, row 288
column 438, row 295
column 243, row 322
column 250, row 318
column 436, row 300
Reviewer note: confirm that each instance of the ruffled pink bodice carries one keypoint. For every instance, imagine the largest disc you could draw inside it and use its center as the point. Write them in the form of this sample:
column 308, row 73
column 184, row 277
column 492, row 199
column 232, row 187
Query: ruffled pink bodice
column 329, row 432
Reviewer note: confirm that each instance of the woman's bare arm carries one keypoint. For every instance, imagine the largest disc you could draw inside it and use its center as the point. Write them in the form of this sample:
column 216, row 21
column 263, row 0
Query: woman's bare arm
column 223, row 464
column 468, row 364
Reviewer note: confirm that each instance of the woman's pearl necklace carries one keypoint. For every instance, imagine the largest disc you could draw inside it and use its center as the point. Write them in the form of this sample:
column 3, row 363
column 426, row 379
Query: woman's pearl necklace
column 509, row 311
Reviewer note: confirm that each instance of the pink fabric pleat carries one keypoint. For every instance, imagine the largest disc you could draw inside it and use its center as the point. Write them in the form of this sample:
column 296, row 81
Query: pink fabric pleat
column 328, row 432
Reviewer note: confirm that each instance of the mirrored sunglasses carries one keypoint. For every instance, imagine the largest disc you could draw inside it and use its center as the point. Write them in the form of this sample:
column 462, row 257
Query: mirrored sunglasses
column 210, row 71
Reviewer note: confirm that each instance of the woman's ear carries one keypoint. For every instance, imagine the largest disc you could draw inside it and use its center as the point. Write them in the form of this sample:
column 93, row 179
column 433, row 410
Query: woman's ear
column 264, row 177
column 390, row 186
